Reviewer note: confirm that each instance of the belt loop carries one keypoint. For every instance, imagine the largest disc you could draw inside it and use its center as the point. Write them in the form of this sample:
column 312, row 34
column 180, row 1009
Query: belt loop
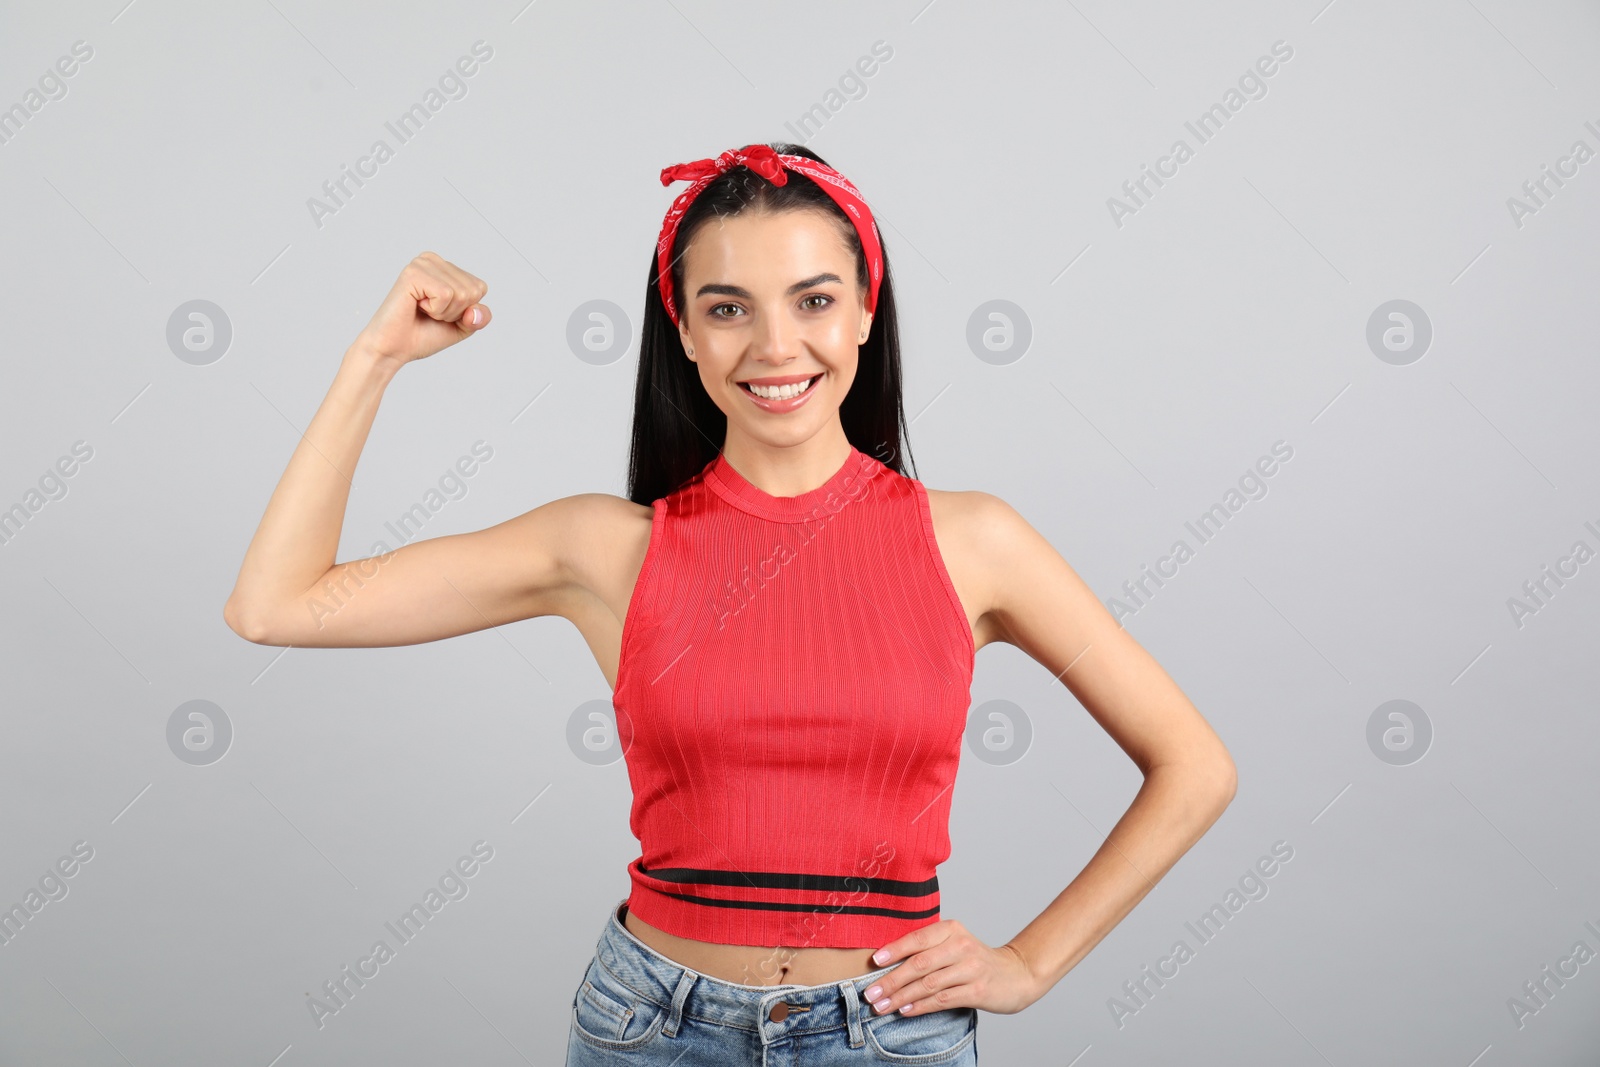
column 852, row 1011
column 679, row 996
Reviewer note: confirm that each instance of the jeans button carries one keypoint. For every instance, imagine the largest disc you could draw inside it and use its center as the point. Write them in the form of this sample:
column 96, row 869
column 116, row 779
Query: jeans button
column 779, row 1012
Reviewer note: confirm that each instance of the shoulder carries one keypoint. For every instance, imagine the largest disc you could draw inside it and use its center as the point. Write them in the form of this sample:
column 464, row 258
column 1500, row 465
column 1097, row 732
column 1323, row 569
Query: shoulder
column 973, row 518
column 981, row 539
column 585, row 515
column 587, row 537
column 604, row 516
column 604, row 507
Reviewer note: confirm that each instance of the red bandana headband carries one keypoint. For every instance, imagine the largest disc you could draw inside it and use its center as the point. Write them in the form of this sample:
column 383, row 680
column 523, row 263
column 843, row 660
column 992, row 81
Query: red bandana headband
column 770, row 165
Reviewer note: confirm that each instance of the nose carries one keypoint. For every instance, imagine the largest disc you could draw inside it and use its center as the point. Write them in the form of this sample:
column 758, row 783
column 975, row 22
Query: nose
column 777, row 340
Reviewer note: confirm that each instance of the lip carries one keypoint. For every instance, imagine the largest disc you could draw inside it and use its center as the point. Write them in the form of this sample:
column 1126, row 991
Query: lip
column 782, row 379
column 779, row 407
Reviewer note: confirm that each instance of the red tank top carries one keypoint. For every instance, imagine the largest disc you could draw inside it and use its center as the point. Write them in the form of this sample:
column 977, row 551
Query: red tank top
column 792, row 692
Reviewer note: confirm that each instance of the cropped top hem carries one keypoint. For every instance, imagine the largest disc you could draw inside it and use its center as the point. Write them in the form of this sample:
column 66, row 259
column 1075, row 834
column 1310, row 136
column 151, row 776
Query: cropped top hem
column 733, row 920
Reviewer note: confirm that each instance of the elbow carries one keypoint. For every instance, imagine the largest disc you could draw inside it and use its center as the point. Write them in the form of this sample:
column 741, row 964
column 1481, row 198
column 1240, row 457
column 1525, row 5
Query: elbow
column 1211, row 781
column 1228, row 787
column 1225, row 780
column 244, row 622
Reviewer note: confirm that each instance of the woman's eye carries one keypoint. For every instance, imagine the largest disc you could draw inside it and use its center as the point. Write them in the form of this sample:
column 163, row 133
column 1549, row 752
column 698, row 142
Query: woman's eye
column 734, row 310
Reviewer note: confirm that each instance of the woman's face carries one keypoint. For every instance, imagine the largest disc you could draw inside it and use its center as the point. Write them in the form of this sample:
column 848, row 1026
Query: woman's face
column 773, row 296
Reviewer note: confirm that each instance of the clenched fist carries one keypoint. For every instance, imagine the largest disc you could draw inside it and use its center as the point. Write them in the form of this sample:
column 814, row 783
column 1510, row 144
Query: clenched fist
column 433, row 304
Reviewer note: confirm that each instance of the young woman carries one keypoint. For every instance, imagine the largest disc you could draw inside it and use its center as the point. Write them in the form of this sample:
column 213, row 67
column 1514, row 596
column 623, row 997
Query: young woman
column 788, row 623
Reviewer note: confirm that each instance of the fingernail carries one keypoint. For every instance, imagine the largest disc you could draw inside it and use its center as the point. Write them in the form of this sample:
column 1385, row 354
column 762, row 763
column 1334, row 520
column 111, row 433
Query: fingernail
column 872, row 994
column 882, row 1005
column 905, row 1009
column 880, row 956
column 477, row 316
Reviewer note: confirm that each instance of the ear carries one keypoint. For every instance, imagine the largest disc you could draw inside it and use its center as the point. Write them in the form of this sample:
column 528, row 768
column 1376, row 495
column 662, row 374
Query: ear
column 685, row 340
column 866, row 327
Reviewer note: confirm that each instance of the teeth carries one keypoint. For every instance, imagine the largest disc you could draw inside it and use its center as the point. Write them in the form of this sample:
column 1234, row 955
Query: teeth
column 780, row 392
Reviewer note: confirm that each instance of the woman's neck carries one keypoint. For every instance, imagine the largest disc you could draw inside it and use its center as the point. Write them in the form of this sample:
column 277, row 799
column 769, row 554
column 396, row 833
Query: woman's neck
column 788, row 470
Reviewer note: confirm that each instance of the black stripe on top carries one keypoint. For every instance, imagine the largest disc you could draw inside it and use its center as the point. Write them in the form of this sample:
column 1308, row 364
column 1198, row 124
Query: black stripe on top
column 772, row 905
column 777, row 880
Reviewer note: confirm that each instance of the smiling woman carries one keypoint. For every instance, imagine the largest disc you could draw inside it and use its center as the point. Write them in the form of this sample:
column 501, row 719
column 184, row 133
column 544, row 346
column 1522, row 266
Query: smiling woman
column 822, row 329
column 786, row 257
column 789, row 622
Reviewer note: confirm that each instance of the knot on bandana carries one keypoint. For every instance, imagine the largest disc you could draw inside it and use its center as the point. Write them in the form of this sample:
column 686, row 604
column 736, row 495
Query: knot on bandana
column 758, row 157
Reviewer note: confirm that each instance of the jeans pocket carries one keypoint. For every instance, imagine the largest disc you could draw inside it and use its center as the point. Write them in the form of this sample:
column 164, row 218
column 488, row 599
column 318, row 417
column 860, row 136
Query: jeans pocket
column 608, row 1014
column 937, row 1037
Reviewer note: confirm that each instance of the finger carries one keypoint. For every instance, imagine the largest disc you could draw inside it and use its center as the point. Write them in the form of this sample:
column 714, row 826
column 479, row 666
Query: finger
column 906, row 948
column 917, row 940
column 954, row 996
column 434, row 293
column 443, row 292
column 466, row 280
column 450, row 270
column 469, row 289
column 925, row 989
column 475, row 318
column 919, row 977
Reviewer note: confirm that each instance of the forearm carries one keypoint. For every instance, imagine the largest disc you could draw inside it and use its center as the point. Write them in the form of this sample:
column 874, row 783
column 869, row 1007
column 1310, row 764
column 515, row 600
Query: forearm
column 298, row 536
column 1172, row 810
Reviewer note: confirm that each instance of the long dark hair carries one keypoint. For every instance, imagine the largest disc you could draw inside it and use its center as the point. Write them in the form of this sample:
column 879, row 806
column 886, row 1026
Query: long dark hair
column 677, row 429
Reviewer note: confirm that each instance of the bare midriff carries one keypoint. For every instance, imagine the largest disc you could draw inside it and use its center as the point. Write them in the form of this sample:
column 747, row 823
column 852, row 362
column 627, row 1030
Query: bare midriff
column 755, row 964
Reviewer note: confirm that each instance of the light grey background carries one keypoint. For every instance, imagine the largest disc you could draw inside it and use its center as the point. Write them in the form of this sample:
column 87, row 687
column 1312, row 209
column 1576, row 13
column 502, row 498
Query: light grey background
column 1168, row 354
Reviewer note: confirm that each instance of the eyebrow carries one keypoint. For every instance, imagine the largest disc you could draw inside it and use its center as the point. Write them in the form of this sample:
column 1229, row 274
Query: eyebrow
column 735, row 290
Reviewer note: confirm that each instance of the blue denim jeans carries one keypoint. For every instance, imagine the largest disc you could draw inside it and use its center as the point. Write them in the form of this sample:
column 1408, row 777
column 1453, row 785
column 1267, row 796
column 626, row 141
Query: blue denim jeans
column 636, row 1006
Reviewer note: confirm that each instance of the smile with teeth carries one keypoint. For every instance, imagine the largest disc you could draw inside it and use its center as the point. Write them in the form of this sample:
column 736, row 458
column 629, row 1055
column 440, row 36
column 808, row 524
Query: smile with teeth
column 779, row 392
